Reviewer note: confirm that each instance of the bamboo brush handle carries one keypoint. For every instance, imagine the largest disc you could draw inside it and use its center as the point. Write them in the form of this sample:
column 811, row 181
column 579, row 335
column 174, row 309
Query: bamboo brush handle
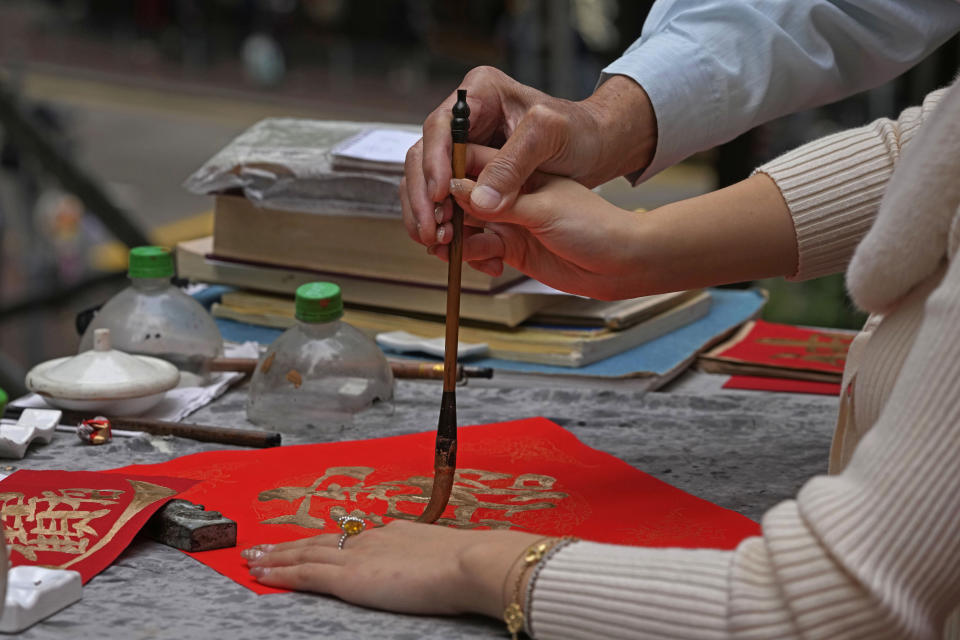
column 445, row 453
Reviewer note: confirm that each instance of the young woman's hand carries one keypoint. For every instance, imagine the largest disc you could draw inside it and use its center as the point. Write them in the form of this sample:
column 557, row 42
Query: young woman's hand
column 558, row 232
column 570, row 238
column 404, row 566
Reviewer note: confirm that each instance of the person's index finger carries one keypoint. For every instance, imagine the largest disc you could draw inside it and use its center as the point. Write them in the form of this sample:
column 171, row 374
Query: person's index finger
column 478, row 156
column 322, row 578
column 416, row 204
column 438, row 150
column 438, row 142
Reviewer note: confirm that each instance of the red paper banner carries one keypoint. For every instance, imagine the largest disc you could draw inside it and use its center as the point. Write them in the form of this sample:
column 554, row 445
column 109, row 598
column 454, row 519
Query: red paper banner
column 783, row 345
column 528, row 474
column 785, row 385
column 79, row 520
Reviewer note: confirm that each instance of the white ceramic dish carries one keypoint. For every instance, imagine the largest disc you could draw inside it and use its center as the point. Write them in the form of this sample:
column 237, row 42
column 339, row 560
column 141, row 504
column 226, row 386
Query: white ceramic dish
column 124, row 407
column 104, row 380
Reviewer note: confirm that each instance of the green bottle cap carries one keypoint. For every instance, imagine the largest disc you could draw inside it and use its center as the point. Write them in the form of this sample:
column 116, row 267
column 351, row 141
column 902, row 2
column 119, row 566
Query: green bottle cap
column 319, row 302
column 151, row 262
column 3, row 400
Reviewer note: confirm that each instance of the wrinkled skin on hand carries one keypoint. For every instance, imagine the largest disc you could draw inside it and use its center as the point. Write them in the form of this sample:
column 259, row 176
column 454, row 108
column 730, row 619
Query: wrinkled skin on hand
column 533, row 131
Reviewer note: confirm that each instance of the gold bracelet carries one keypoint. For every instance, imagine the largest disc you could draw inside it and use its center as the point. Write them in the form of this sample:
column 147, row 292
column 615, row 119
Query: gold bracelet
column 513, row 614
column 532, row 582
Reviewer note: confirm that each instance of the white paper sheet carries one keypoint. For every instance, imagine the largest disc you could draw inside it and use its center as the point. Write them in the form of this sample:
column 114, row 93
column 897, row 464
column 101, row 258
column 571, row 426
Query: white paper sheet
column 387, row 146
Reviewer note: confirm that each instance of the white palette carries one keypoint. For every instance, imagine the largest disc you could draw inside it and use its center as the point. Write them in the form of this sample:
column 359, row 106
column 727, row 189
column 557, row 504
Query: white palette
column 33, row 424
column 35, row 593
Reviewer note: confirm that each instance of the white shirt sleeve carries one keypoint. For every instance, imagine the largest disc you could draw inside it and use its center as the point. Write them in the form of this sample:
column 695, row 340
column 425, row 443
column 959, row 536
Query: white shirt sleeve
column 716, row 68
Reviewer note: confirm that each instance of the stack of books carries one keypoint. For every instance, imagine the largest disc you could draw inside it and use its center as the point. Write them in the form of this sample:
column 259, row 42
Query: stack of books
column 198, row 260
column 565, row 345
column 298, row 201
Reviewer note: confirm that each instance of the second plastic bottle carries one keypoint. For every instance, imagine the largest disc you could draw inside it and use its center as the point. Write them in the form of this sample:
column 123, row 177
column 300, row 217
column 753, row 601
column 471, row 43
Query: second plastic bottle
column 319, row 372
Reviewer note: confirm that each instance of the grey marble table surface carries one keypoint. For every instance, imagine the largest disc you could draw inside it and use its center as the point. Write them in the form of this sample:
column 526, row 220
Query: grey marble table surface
column 743, row 451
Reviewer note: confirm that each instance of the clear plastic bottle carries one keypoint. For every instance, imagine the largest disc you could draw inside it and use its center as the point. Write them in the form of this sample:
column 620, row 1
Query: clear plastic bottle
column 153, row 317
column 319, row 372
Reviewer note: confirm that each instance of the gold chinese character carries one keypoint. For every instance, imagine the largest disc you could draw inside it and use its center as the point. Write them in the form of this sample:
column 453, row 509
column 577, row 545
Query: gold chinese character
column 60, row 520
column 828, row 349
column 473, row 491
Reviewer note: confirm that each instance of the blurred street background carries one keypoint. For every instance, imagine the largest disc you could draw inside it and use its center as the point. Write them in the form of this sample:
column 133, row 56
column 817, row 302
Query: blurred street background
column 136, row 94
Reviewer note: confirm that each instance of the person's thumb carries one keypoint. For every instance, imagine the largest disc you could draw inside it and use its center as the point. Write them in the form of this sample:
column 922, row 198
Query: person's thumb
column 540, row 135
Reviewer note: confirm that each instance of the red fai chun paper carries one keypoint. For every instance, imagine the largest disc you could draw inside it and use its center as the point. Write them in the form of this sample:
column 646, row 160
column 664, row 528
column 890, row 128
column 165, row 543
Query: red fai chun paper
column 781, row 351
column 529, row 474
column 78, row 520
column 784, row 385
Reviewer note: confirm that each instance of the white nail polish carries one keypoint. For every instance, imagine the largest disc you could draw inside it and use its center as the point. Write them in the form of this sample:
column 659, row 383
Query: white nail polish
column 440, row 233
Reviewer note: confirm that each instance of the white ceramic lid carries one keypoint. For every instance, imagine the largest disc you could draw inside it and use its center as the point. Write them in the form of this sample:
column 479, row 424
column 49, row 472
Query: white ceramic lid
column 102, row 373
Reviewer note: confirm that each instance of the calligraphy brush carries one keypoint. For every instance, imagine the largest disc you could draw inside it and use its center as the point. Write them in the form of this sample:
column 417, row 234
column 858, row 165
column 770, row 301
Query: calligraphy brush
column 405, row 369
column 200, row 432
column 445, row 455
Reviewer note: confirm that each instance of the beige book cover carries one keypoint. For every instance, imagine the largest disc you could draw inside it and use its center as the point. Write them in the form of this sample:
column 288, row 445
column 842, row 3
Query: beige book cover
column 508, row 309
column 352, row 243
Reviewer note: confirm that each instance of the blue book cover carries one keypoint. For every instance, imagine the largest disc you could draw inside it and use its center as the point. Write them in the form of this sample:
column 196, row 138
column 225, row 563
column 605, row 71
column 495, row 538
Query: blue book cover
column 659, row 357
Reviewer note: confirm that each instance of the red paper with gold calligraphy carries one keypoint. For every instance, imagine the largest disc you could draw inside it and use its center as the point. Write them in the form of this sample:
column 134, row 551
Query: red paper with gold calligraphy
column 528, row 474
column 785, row 346
column 78, row 520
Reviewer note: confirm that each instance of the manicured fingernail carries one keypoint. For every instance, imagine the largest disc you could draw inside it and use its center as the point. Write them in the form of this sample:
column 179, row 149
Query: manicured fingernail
column 485, row 197
column 253, row 553
column 440, row 232
column 438, row 213
column 432, row 188
column 259, row 572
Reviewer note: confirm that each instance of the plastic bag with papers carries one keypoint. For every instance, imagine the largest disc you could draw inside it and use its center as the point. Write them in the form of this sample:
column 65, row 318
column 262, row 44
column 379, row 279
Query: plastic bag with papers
column 287, row 163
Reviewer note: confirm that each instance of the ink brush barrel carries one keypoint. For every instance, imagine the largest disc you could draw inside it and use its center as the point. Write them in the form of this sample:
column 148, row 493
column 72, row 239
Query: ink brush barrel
column 412, row 369
column 445, row 451
column 241, row 365
column 402, row 369
column 199, row 432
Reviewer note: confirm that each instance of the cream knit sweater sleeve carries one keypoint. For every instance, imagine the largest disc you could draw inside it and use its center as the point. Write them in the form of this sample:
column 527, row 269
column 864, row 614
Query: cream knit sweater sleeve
column 833, row 186
column 872, row 553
